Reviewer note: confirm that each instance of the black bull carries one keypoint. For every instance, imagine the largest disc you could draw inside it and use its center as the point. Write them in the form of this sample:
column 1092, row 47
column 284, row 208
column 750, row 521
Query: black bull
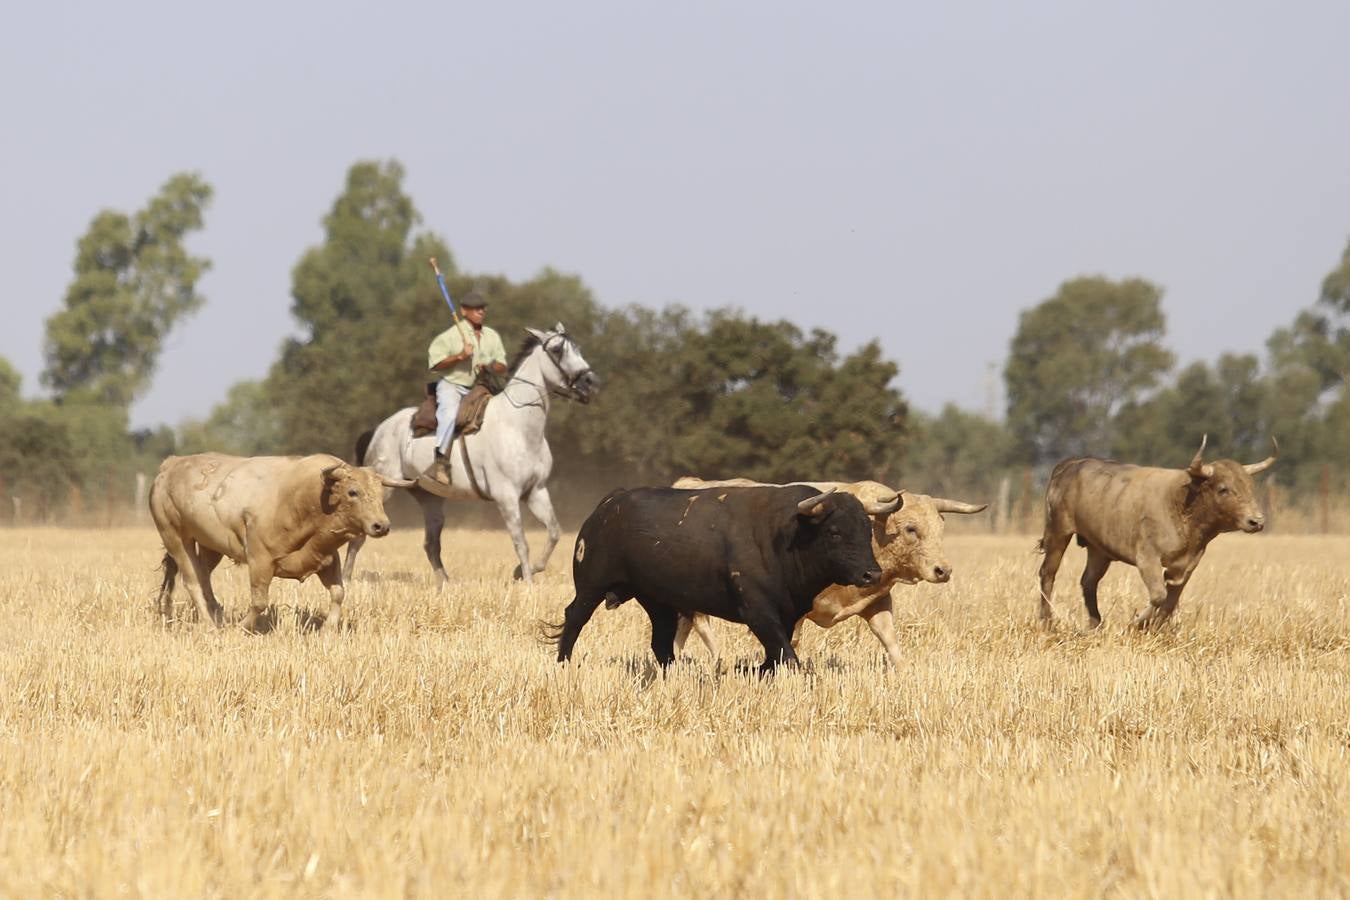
column 755, row 555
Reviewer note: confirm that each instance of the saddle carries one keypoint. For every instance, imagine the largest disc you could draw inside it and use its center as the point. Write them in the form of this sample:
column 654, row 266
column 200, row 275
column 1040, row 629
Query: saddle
column 471, row 409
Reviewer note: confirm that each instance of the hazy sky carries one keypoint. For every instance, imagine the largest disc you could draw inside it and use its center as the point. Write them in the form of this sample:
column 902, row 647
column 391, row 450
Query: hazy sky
column 918, row 173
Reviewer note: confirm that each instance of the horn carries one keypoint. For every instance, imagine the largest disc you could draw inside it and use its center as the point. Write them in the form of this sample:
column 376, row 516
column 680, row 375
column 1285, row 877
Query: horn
column 396, row 482
column 956, row 506
column 329, row 472
column 806, row 506
column 883, row 508
column 1254, row 468
column 1198, row 468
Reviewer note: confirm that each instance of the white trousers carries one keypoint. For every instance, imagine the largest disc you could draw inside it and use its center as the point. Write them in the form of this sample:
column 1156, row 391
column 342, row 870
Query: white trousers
column 447, row 406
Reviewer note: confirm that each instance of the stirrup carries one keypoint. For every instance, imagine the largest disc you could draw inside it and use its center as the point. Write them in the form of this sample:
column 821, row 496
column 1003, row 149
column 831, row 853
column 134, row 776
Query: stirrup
column 432, row 486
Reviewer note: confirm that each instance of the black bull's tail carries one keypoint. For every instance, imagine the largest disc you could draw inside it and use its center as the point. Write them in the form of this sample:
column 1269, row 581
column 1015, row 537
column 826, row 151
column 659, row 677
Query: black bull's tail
column 550, row 633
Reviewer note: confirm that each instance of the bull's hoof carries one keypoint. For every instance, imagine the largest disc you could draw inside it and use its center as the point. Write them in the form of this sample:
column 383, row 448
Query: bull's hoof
column 1149, row 621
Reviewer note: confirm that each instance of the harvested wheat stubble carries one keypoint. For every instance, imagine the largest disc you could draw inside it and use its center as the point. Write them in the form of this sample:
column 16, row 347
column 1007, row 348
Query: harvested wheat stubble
column 434, row 747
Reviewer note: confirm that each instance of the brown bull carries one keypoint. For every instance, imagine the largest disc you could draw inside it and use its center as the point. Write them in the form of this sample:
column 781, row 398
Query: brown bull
column 906, row 540
column 1158, row 520
column 283, row 517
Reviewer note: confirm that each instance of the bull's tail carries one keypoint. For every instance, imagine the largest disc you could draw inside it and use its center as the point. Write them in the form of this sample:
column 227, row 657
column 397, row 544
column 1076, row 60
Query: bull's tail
column 170, row 568
column 550, row 633
column 1040, row 545
column 362, row 445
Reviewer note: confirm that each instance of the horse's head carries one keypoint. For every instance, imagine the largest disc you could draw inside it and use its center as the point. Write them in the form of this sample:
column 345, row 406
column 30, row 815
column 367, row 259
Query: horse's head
column 569, row 374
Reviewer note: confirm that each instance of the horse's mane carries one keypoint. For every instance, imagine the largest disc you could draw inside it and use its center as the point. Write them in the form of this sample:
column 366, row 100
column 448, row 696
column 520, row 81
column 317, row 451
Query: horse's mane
column 526, row 346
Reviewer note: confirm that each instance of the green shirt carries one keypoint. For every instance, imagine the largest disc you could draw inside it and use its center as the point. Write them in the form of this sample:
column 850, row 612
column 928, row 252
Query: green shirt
column 450, row 342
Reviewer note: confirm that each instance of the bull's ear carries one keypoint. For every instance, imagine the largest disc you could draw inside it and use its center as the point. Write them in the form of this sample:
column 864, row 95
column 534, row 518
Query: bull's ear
column 816, row 513
column 334, row 472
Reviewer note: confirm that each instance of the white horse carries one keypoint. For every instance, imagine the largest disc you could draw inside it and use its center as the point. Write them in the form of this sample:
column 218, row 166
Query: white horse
column 509, row 456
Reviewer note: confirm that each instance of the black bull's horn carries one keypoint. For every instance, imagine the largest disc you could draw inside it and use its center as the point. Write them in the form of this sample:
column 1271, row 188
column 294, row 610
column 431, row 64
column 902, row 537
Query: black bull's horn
column 807, row 506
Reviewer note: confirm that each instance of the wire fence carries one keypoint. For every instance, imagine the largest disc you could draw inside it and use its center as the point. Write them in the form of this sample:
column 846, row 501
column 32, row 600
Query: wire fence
column 118, row 499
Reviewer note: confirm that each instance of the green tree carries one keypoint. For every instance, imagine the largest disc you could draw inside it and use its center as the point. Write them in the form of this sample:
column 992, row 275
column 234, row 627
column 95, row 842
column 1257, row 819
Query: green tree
column 624, row 436
column 369, row 307
column 1336, row 286
column 355, row 296
column 10, row 382
column 1229, row 402
column 764, row 401
column 1309, row 383
column 1077, row 359
column 37, row 456
column 364, row 263
column 134, row 280
column 955, row 454
column 245, row 424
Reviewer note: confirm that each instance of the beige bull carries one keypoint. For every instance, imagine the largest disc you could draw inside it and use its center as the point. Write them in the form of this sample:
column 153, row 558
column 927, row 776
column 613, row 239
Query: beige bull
column 283, row 517
column 907, row 533
column 1158, row 520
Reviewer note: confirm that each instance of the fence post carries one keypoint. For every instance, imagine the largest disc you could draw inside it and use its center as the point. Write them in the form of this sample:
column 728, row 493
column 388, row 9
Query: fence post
column 1026, row 507
column 109, row 495
column 1001, row 512
column 75, row 505
column 1272, row 502
column 1324, row 495
column 140, row 497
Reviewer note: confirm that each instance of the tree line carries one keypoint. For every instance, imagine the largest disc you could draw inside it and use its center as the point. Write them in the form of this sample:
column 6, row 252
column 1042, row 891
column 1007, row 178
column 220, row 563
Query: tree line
column 719, row 393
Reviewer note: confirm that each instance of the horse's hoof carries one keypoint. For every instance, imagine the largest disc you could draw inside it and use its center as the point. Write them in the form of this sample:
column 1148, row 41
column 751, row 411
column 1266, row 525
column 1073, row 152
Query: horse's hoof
column 517, row 574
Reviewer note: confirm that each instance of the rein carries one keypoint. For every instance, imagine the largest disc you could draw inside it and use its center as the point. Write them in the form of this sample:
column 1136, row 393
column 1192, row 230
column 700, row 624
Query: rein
column 543, row 390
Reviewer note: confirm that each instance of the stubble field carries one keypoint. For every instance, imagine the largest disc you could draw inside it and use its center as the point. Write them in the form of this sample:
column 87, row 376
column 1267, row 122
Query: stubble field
column 435, row 748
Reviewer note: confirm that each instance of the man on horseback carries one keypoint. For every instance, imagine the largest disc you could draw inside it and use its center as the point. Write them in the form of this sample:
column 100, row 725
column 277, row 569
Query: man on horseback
column 456, row 355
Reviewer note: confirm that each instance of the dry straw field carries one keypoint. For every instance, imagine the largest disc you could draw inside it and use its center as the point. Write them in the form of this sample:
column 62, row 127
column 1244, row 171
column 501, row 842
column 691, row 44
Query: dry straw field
column 434, row 747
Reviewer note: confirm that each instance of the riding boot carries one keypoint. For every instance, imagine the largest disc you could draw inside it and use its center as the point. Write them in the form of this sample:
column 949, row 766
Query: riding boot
column 439, row 470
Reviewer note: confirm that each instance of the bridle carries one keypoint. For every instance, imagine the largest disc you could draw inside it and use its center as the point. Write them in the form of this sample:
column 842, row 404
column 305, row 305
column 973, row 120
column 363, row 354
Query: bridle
column 569, row 389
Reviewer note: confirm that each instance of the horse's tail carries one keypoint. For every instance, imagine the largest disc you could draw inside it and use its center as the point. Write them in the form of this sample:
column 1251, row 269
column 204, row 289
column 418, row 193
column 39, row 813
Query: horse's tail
column 362, row 445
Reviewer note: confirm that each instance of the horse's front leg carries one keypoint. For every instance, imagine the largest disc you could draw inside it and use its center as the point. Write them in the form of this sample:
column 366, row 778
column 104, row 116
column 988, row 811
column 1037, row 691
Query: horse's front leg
column 509, row 507
column 541, row 506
